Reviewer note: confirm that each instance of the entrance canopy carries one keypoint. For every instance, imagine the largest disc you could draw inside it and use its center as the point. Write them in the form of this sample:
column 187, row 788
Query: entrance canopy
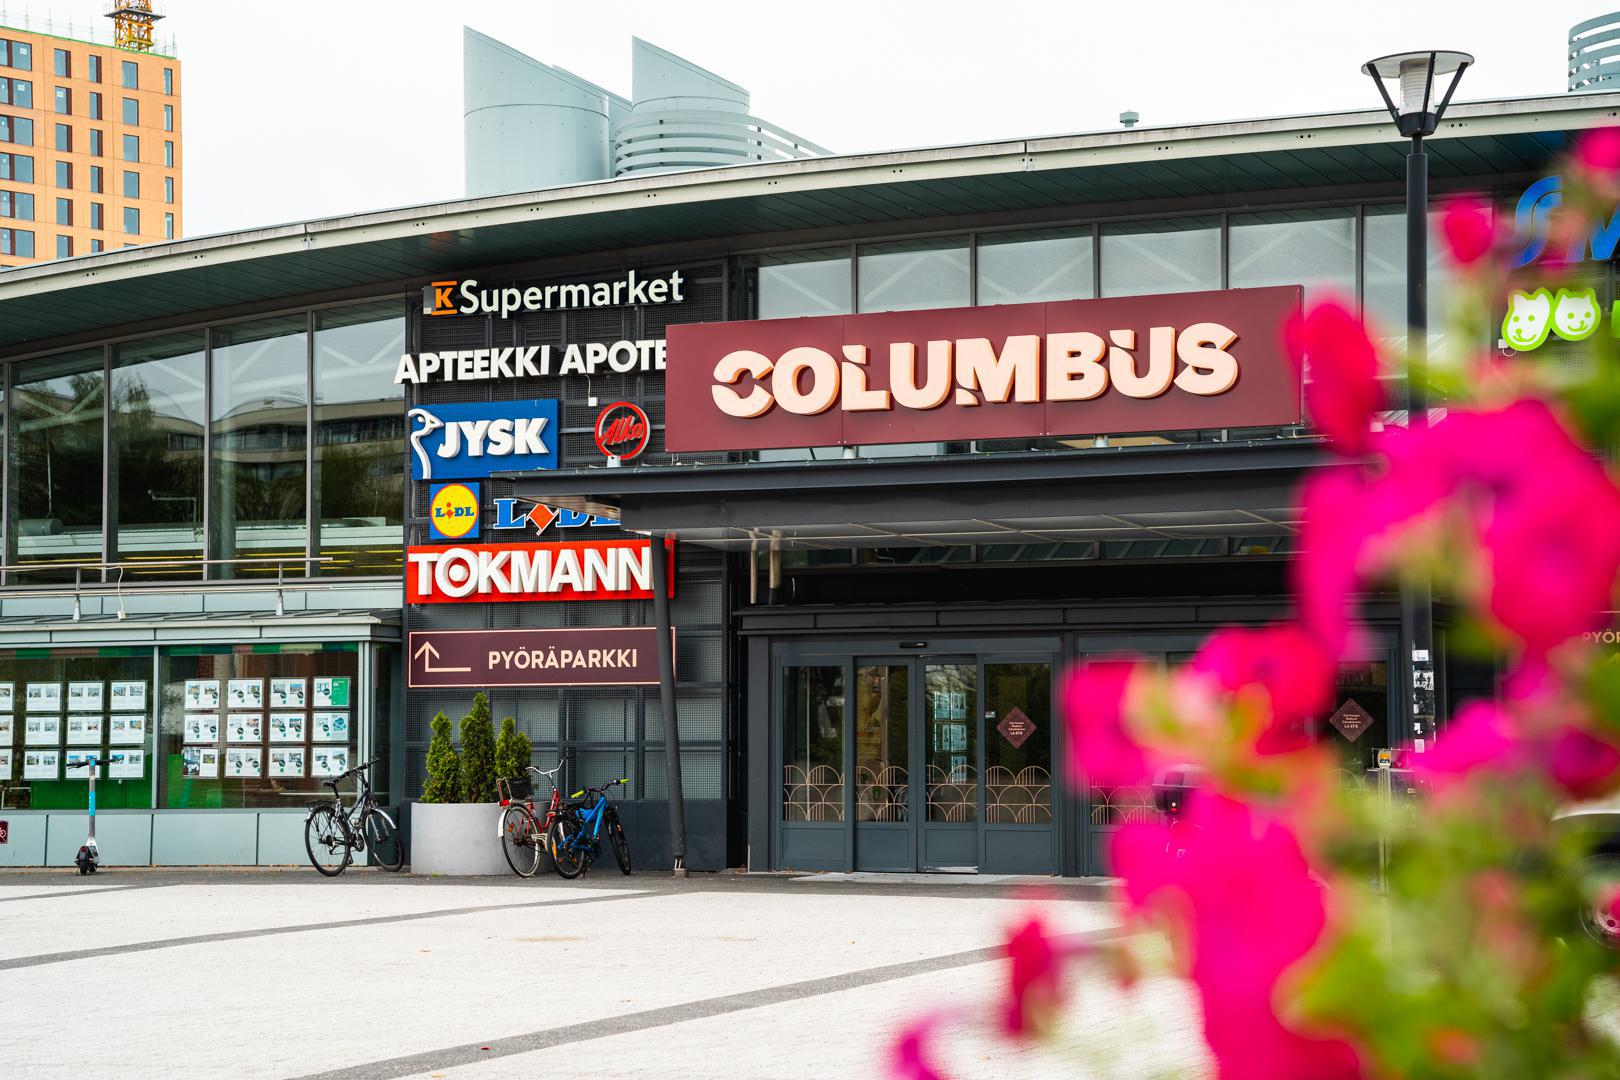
column 1203, row 490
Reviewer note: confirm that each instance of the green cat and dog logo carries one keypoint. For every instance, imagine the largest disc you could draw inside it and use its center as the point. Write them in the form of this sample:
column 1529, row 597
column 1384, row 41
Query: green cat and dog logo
column 1572, row 314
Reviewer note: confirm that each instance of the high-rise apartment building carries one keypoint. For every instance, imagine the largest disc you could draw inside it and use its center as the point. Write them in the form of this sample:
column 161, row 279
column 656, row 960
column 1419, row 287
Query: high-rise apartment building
column 90, row 151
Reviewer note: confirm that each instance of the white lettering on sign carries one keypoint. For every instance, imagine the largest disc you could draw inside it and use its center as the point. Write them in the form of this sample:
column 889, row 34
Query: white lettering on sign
column 807, row 381
column 459, row 572
column 466, row 298
column 534, row 361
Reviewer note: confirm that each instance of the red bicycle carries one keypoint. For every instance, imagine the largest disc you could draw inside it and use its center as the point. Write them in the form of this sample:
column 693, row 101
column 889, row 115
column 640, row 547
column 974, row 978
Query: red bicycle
column 523, row 829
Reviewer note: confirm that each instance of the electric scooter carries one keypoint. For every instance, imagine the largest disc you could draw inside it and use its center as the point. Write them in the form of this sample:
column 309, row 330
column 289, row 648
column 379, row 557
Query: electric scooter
column 89, row 858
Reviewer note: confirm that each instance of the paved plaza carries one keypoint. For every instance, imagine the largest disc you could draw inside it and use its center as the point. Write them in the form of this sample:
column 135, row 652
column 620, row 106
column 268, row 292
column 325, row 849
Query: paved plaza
column 136, row 974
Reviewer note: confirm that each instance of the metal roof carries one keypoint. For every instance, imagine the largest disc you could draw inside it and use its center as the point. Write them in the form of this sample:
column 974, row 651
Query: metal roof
column 119, row 291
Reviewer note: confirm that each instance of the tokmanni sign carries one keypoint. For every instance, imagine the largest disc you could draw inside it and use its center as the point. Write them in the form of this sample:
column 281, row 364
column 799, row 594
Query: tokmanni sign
column 610, row 656
column 1079, row 367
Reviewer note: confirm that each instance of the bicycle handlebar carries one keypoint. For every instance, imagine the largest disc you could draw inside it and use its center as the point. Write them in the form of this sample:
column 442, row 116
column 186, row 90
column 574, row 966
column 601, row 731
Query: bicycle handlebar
column 602, row 788
column 340, row 777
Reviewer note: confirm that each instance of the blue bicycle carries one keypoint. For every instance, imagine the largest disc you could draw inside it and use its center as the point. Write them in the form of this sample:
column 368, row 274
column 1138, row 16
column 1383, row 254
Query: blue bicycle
column 575, row 837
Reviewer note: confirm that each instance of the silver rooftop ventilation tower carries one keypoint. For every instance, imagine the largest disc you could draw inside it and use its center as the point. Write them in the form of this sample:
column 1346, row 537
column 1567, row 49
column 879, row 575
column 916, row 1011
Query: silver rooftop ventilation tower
column 1594, row 54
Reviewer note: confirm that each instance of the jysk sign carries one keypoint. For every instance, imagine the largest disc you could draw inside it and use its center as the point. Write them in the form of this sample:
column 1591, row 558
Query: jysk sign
column 470, row 441
column 562, row 570
column 607, row 656
column 1146, row 363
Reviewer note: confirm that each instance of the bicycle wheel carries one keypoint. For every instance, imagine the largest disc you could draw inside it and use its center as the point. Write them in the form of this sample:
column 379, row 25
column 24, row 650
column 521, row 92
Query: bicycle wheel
column 326, row 841
column 563, row 841
column 387, row 850
column 521, row 840
column 620, row 842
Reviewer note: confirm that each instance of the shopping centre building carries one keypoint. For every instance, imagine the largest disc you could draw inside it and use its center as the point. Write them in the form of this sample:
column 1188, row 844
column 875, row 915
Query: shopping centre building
column 914, row 430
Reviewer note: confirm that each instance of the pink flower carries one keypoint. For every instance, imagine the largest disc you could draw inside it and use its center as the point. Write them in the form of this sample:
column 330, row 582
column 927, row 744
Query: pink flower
column 1287, row 663
column 1035, row 979
column 1252, row 912
column 1337, row 511
column 1467, row 227
column 1330, row 343
column 1599, row 150
column 1584, row 766
column 1102, row 750
column 910, row 1056
column 1480, row 736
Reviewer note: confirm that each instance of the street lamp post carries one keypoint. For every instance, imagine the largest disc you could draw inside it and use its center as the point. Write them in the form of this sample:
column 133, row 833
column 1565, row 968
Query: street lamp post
column 1416, row 116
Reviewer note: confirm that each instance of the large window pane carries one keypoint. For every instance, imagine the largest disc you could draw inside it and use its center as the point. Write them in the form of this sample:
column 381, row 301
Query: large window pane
column 951, row 750
column 1018, row 744
column 798, row 283
column 359, row 440
column 911, row 274
column 1033, row 265
column 1144, row 258
column 813, row 743
column 259, row 428
column 1384, row 278
column 882, row 762
column 156, row 466
column 56, row 462
column 1313, row 248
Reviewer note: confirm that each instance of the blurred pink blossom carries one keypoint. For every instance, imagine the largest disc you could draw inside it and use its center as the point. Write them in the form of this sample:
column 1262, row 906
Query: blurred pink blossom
column 1286, row 662
column 1481, row 735
column 1581, row 764
column 911, row 1056
column 1331, row 344
column 1469, row 230
column 1101, row 749
column 1035, row 978
column 1598, row 150
column 1252, row 912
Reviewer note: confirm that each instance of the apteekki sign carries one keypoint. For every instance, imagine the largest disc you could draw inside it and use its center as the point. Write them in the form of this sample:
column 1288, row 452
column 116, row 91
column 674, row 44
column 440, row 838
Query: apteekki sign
column 1078, row 367
column 567, row 570
column 609, row 656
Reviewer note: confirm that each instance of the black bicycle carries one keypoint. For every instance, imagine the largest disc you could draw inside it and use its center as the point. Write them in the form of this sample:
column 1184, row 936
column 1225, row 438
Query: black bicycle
column 332, row 834
column 575, row 838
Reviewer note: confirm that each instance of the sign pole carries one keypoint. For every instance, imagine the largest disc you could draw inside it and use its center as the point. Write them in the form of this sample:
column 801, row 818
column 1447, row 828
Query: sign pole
column 666, row 702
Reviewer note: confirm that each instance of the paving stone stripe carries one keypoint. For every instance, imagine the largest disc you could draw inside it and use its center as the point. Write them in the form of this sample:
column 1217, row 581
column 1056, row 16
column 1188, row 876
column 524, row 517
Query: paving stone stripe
column 41, row 959
column 469, row 1053
column 69, row 890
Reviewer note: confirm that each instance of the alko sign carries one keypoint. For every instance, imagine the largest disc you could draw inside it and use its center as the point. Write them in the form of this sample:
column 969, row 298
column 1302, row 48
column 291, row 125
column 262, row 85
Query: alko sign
column 562, row 570
column 1079, row 367
column 462, row 442
column 622, row 430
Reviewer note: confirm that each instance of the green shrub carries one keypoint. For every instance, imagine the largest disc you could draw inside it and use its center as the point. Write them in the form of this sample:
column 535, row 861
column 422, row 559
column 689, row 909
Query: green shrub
column 512, row 751
column 443, row 765
column 478, row 753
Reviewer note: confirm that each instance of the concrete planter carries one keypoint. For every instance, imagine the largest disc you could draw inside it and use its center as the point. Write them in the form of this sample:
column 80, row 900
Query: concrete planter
column 457, row 839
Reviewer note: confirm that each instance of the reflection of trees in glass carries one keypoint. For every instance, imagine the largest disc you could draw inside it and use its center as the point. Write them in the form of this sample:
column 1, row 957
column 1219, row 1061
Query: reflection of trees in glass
column 58, row 452
column 158, row 458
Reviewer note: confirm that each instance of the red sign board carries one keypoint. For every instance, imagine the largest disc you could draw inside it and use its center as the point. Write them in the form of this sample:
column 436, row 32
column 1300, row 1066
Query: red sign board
column 622, row 430
column 1078, row 367
column 569, row 570
column 1351, row 720
column 609, row 656
column 1016, row 727
column 5, row 832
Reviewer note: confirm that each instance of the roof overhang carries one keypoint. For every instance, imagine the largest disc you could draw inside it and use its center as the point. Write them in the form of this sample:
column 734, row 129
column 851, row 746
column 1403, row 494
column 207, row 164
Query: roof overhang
column 138, row 288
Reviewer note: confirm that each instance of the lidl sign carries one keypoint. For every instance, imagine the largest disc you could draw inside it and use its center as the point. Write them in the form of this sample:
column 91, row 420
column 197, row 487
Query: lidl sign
column 453, row 511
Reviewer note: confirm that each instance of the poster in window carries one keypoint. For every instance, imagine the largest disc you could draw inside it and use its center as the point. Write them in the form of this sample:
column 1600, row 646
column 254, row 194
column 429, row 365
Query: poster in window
column 240, row 761
column 75, row 767
column 6, row 699
column 332, row 692
column 7, row 731
column 244, row 727
column 126, row 731
column 41, row 764
column 201, row 728
column 83, row 730
column 5, row 764
column 44, row 697
column 287, row 761
column 329, row 761
column 330, row 726
column 126, row 764
column 201, row 762
column 202, row 694
column 287, row 727
column 287, row 693
column 128, row 697
column 43, row 731
column 246, row 693
column 84, row 697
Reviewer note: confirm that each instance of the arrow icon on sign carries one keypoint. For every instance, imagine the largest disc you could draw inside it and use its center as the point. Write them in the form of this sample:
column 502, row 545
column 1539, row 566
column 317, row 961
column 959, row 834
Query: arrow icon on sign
column 427, row 654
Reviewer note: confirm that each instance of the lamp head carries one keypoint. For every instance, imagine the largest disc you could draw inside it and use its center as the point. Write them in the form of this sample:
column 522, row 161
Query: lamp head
column 1415, row 106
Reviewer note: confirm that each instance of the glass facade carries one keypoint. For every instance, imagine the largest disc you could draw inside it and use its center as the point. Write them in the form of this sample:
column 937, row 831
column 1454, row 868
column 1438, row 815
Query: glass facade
column 906, row 275
column 1173, row 255
column 209, row 450
column 1034, row 265
column 1313, row 248
column 795, row 283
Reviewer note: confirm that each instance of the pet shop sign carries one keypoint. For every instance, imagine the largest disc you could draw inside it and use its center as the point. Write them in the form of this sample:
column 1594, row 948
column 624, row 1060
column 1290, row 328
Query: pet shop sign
column 1568, row 314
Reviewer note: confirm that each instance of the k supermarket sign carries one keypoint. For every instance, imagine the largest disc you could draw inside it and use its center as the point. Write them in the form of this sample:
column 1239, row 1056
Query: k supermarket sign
column 564, row 570
column 1080, row 367
column 607, row 656
column 462, row 442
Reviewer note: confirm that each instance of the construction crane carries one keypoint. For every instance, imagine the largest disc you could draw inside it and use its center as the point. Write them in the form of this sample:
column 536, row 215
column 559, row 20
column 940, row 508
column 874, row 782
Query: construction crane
column 132, row 24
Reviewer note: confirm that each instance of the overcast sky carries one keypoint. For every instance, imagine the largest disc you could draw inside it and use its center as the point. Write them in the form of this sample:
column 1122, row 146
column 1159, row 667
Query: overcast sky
column 302, row 109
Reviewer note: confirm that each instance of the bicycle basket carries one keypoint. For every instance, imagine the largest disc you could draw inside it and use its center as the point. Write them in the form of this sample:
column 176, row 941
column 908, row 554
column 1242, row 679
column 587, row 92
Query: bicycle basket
column 515, row 790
